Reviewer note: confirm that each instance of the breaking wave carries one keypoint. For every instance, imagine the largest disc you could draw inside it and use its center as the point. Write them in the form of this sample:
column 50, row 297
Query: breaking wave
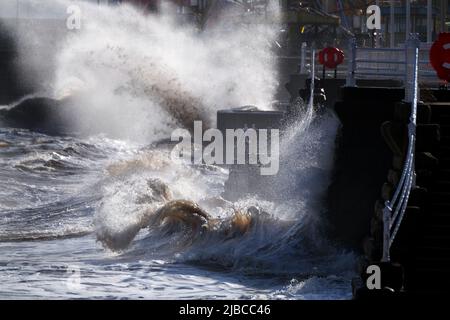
column 140, row 76
column 160, row 209
column 135, row 78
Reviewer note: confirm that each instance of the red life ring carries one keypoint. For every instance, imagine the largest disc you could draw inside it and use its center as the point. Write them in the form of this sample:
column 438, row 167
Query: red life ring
column 331, row 57
column 440, row 56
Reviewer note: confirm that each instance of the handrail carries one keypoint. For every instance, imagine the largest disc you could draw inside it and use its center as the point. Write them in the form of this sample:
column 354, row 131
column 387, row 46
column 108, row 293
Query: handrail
column 395, row 208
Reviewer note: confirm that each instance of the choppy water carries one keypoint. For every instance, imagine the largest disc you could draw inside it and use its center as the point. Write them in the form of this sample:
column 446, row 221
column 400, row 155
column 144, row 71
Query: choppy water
column 136, row 78
column 58, row 192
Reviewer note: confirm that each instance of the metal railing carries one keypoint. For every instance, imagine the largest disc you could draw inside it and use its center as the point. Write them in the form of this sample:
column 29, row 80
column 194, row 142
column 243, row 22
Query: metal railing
column 388, row 63
column 397, row 64
column 395, row 208
column 391, row 63
column 373, row 63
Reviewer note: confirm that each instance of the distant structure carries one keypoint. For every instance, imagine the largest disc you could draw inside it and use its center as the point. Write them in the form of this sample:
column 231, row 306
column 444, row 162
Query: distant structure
column 329, row 21
column 302, row 21
column 439, row 15
column 394, row 19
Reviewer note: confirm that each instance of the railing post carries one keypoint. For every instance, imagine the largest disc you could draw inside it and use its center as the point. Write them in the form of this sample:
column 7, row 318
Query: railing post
column 392, row 24
column 351, row 82
column 429, row 21
column 313, row 75
column 411, row 45
column 303, row 58
column 408, row 20
column 386, row 232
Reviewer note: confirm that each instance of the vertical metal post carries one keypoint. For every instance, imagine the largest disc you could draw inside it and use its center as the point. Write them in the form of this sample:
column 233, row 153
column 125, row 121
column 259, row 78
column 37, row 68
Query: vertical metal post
column 411, row 46
column 444, row 8
column 392, row 24
column 429, row 21
column 313, row 76
column 386, row 233
column 351, row 82
column 377, row 37
column 303, row 58
column 408, row 20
